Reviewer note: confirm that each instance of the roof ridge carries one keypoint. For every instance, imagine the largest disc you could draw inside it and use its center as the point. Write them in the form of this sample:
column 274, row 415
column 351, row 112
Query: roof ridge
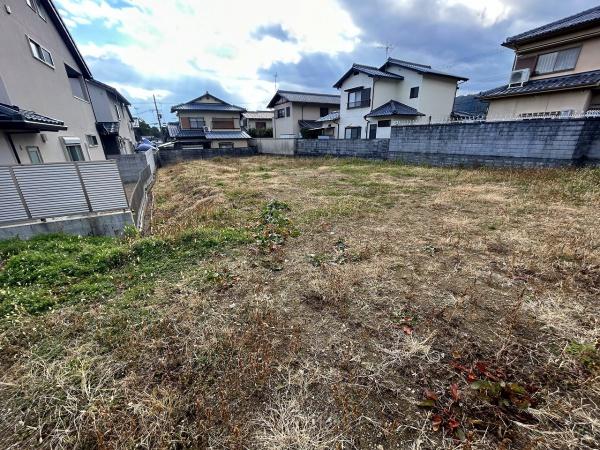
column 425, row 66
column 307, row 93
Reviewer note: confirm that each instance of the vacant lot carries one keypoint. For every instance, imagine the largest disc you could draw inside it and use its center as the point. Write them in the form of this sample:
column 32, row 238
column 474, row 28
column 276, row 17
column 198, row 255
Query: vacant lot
column 314, row 304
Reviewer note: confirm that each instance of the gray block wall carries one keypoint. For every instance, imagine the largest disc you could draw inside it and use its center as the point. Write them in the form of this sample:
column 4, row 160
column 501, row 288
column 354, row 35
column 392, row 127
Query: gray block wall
column 358, row 148
column 525, row 143
column 130, row 166
column 167, row 156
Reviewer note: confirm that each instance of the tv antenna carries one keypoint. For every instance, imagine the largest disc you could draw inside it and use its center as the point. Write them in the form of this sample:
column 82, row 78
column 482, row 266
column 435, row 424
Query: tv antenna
column 275, row 76
column 388, row 47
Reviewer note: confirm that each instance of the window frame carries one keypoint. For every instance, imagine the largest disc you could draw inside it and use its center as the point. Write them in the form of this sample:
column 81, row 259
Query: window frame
column 197, row 120
column 288, row 111
column 33, row 43
column 323, row 108
column 117, row 111
column 537, row 61
column 363, row 102
column 386, row 123
column 280, row 113
column 260, row 124
column 69, row 154
column 73, row 74
column 414, row 92
column 372, row 131
column 351, row 129
column 34, row 148
column 220, row 120
column 95, row 142
column 226, row 144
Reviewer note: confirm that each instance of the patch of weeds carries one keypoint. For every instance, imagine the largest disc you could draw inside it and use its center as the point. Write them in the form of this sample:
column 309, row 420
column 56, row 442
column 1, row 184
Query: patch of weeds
column 274, row 226
column 340, row 255
column 586, row 353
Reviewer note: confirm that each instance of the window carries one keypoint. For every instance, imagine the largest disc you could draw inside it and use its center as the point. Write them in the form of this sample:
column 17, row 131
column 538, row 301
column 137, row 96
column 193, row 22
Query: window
column 414, row 92
column 34, row 154
column 91, row 140
column 323, row 112
column 384, row 123
column 77, row 83
column 557, row 61
column 37, row 7
column 280, row 113
column 197, row 122
column 41, row 53
column 260, row 125
column 118, row 111
column 74, row 152
column 223, row 124
column 352, row 133
column 360, row 98
column 287, row 111
column 225, row 144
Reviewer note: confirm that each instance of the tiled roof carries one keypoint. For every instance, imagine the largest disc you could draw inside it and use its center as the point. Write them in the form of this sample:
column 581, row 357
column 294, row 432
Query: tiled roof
column 173, row 129
column 305, row 97
column 420, row 68
column 193, row 133
column 205, row 107
column 258, row 115
column 195, row 105
column 310, row 124
column 105, row 128
column 335, row 115
column 583, row 19
column 394, row 108
column 227, row 135
column 574, row 81
column 367, row 70
column 12, row 116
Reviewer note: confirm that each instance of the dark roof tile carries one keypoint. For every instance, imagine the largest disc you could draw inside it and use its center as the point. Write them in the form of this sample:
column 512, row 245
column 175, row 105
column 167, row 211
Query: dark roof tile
column 13, row 116
column 367, row 70
column 305, row 97
column 394, row 108
column 421, row 68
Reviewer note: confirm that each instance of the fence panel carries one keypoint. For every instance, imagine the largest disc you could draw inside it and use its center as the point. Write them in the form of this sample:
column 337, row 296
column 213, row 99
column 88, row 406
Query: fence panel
column 103, row 186
column 51, row 190
column 11, row 206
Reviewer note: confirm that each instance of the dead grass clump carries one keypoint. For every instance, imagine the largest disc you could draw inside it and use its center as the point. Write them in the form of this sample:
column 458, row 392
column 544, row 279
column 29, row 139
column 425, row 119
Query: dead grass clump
column 333, row 287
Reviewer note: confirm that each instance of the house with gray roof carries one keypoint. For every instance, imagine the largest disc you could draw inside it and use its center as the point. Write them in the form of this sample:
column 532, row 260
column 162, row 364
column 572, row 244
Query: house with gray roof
column 297, row 112
column 45, row 110
column 372, row 98
column 208, row 122
column 258, row 123
column 555, row 72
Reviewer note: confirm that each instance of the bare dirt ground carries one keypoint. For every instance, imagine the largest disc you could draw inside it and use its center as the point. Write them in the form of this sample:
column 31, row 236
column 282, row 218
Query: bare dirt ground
column 375, row 306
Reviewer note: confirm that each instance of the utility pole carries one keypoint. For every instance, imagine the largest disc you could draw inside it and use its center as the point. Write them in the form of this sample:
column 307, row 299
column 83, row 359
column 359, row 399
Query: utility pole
column 275, row 81
column 157, row 115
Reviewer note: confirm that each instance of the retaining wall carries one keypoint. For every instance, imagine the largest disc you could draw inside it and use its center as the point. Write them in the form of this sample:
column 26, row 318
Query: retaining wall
column 166, row 156
column 358, row 148
column 524, row 143
column 130, row 166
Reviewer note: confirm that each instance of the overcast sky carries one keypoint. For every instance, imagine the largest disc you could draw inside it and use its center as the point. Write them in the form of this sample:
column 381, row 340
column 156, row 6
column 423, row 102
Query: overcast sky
column 178, row 49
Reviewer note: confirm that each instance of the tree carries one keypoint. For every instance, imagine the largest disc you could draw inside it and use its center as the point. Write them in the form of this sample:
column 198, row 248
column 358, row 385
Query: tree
column 147, row 130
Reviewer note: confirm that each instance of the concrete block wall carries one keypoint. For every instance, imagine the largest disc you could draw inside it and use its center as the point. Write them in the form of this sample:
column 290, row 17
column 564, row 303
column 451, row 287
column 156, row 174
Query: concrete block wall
column 358, row 148
column 273, row 146
column 130, row 166
column 167, row 156
column 525, row 143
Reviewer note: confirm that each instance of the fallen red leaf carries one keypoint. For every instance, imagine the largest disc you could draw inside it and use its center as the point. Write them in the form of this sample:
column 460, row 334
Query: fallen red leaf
column 429, row 394
column 471, row 377
column 407, row 329
column 458, row 366
column 453, row 423
column 454, row 392
column 436, row 421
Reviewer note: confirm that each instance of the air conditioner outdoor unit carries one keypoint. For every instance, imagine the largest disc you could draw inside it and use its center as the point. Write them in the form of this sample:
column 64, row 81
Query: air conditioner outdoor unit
column 518, row 78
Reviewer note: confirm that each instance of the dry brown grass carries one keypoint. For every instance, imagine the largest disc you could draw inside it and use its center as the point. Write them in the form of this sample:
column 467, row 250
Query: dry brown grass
column 398, row 276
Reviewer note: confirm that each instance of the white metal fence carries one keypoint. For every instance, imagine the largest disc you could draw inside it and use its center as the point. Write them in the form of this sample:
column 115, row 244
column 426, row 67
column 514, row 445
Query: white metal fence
column 44, row 191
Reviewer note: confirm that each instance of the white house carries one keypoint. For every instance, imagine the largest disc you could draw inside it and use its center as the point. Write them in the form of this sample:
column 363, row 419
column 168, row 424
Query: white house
column 374, row 97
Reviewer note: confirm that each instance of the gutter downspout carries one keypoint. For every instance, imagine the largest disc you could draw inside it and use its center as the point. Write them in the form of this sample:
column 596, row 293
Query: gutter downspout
column 372, row 100
column 14, row 149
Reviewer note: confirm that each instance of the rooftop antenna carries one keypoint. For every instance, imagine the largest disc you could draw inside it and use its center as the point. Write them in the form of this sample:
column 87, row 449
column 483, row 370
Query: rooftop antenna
column 275, row 81
column 388, row 47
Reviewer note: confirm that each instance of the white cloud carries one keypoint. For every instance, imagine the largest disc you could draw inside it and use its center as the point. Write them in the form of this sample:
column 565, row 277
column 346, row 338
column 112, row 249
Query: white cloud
column 138, row 93
column 214, row 40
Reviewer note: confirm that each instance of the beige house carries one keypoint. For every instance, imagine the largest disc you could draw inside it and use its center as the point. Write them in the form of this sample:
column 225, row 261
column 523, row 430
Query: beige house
column 375, row 97
column 556, row 70
column 328, row 126
column 297, row 111
column 209, row 122
column 45, row 110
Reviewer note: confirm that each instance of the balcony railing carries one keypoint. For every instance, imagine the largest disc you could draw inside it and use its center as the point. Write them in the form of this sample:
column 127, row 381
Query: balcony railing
column 360, row 104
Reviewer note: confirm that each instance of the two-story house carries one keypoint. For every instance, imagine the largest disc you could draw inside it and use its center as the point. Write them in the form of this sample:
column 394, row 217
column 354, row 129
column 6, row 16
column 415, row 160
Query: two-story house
column 209, row 122
column 114, row 121
column 257, row 120
column 556, row 70
column 297, row 111
column 45, row 109
column 374, row 97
